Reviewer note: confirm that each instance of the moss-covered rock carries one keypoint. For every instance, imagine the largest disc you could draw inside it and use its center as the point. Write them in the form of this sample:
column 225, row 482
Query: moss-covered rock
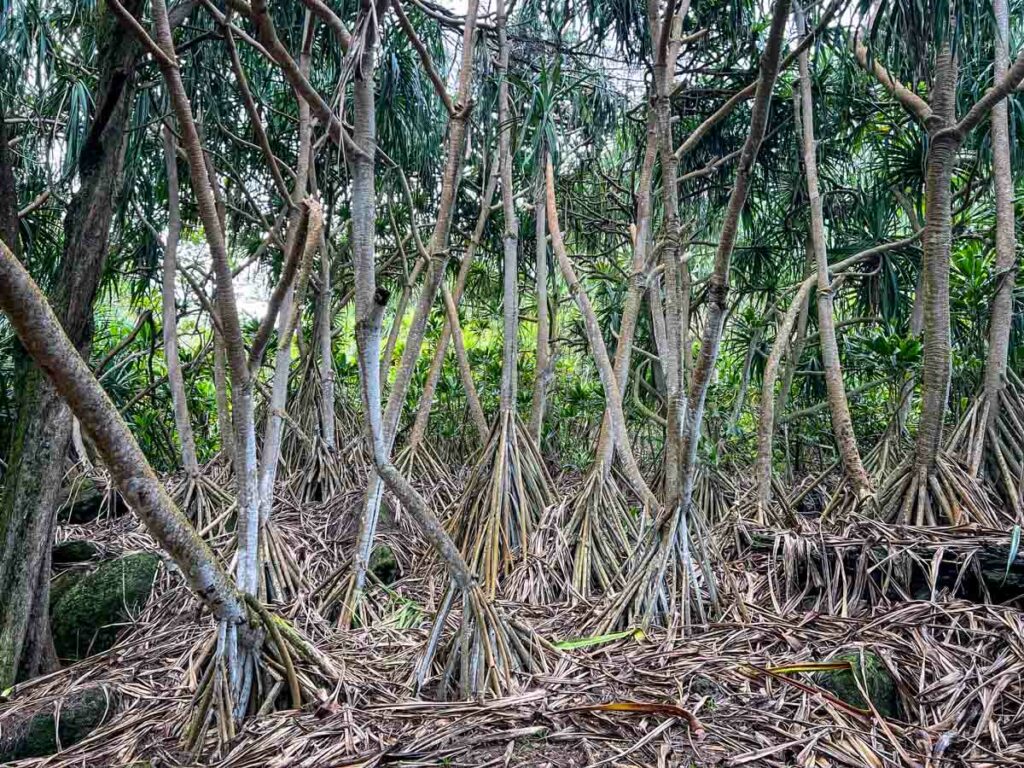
column 383, row 564
column 62, row 582
column 874, row 677
column 75, row 551
column 86, row 615
column 35, row 733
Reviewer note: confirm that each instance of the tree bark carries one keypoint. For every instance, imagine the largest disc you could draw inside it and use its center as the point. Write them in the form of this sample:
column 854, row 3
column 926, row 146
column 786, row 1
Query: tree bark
column 38, row 452
column 542, row 373
column 1001, row 319
column 842, row 424
column 718, row 282
column 510, row 236
column 175, row 378
column 936, row 371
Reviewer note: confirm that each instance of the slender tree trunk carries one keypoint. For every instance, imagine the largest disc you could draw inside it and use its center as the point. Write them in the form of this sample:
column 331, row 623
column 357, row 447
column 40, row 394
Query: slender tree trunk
column 211, row 215
column 1006, row 236
column 842, row 424
column 419, row 427
column 175, row 378
column 438, row 250
column 676, row 280
column 291, row 312
column 542, row 373
column 766, row 423
column 510, row 236
column 641, row 266
column 326, row 350
column 936, row 371
column 718, row 283
column 38, row 452
column 613, row 398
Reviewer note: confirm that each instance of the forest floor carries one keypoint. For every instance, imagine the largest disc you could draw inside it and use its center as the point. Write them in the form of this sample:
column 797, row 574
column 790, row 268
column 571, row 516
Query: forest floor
column 943, row 675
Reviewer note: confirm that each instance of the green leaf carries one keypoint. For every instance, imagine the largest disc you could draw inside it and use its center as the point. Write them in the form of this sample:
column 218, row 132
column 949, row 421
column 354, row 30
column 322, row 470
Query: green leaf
column 586, row 642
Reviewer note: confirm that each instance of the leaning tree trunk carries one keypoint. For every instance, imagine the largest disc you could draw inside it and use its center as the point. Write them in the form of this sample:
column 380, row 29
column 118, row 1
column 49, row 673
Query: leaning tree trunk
column 718, row 282
column 36, row 462
column 438, row 251
column 842, row 424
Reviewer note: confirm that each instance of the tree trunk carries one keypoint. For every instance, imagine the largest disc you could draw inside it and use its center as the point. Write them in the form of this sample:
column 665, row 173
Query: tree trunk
column 210, row 213
column 175, row 379
column 419, row 427
column 640, row 268
column 542, row 373
column 1001, row 319
column 39, row 449
column 438, row 250
column 8, row 192
column 326, row 351
column 766, row 423
column 676, row 278
column 40, row 331
column 936, row 371
column 718, row 283
column 842, row 424
column 613, row 398
column 510, row 236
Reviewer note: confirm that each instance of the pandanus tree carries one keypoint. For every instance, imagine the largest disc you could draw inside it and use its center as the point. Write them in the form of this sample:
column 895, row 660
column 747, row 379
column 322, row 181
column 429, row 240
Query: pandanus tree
column 929, row 488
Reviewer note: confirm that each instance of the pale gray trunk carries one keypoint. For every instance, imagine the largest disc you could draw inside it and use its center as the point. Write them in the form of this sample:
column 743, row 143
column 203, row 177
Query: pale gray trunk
column 175, row 379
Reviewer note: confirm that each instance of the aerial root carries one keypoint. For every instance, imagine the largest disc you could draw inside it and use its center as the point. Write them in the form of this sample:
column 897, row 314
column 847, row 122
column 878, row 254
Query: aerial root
column 264, row 666
column 602, row 534
column 321, row 477
column 992, row 444
column 503, row 501
column 668, row 580
column 484, row 656
column 945, row 495
column 282, row 577
column 204, row 500
column 426, row 471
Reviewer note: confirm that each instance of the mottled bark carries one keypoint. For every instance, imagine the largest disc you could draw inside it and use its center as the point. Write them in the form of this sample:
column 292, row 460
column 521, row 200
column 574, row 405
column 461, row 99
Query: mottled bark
column 39, row 448
column 510, row 234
